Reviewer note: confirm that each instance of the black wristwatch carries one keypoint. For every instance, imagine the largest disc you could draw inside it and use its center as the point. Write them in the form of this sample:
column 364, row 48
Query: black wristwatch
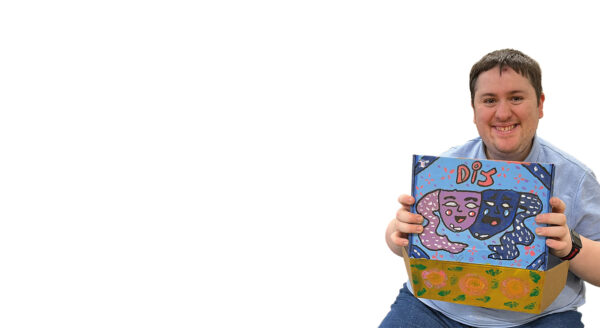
column 576, row 246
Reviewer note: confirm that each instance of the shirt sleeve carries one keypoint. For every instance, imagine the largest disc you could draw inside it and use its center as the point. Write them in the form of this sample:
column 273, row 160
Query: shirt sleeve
column 586, row 210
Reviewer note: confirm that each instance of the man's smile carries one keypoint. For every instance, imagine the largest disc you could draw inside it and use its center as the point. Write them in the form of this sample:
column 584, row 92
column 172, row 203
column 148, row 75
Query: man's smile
column 505, row 128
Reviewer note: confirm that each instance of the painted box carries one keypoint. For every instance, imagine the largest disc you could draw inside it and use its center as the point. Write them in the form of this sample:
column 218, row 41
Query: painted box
column 478, row 245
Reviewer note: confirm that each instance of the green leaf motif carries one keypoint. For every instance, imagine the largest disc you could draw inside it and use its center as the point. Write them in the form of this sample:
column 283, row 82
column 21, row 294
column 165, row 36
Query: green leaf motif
column 421, row 292
column 458, row 268
column 493, row 272
column 530, row 306
column 494, row 284
column 484, row 299
column 418, row 266
column 534, row 276
column 415, row 278
column 460, row 297
column 511, row 304
column 444, row 292
column 535, row 292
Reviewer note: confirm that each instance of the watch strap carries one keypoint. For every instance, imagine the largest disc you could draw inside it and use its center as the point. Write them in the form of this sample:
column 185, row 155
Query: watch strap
column 572, row 254
column 575, row 246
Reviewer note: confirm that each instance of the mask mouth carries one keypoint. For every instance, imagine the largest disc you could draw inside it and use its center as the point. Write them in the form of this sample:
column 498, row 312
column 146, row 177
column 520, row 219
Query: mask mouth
column 455, row 228
column 491, row 220
column 460, row 219
column 481, row 237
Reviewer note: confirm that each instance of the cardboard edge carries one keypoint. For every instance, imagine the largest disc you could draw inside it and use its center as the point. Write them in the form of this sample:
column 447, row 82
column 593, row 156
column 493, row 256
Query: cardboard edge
column 406, row 258
column 558, row 277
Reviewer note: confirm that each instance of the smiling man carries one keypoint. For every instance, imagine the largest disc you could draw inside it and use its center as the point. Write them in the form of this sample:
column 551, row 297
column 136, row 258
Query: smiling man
column 508, row 102
column 507, row 108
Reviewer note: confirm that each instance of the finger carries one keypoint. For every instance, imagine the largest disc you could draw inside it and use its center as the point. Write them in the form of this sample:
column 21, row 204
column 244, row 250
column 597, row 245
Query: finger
column 405, row 216
column 557, row 232
column 552, row 219
column 558, row 206
column 406, row 200
column 559, row 245
column 407, row 228
column 399, row 239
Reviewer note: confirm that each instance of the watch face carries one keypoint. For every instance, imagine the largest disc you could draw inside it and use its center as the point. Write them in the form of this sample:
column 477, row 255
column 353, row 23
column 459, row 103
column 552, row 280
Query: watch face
column 575, row 238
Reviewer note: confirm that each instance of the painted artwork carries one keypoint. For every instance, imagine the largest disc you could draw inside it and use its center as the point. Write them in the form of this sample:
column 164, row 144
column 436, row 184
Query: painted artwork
column 480, row 211
column 479, row 285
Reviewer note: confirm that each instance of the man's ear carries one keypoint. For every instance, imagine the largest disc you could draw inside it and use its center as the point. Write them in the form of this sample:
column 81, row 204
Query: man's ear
column 472, row 106
column 541, row 105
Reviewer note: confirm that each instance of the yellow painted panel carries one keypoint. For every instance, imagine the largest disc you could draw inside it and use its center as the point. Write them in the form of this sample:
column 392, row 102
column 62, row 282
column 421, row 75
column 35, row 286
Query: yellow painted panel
column 476, row 284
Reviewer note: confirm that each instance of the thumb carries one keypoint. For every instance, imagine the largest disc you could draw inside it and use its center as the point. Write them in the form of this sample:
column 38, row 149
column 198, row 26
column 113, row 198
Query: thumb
column 558, row 206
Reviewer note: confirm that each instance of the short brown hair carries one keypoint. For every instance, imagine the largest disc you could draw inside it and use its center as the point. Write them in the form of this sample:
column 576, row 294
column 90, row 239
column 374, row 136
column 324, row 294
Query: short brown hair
column 518, row 61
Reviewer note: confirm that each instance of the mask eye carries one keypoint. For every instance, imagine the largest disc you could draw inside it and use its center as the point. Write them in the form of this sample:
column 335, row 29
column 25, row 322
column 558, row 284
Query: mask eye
column 470, row 205
column 451, row 204
column 490, row 203
column 505, row 205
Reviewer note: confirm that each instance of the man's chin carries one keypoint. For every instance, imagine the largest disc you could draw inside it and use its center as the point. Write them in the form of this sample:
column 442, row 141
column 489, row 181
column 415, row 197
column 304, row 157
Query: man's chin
column 501, row 151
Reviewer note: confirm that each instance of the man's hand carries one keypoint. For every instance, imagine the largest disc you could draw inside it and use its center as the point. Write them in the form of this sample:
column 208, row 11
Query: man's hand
column 557, row 233
column 404, row 223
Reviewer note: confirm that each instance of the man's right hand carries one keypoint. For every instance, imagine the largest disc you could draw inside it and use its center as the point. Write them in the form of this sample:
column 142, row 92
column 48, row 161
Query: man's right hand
column 405, row 222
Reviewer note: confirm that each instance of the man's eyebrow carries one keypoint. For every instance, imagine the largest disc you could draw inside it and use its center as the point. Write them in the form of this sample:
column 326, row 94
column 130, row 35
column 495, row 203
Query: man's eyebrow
column 491, row 94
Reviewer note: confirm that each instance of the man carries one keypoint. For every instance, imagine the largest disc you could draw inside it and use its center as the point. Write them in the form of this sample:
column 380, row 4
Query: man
column 508, row 101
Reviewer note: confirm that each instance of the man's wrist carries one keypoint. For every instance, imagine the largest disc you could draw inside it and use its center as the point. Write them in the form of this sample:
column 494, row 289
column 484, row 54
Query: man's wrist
column 576, row 246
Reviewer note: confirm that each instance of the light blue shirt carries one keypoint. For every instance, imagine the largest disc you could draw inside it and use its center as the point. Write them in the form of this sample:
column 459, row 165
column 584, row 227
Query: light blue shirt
column 577, row 186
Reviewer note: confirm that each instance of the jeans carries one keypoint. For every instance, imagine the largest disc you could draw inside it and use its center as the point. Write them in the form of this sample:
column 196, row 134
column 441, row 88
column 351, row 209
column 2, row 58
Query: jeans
column 408, row 312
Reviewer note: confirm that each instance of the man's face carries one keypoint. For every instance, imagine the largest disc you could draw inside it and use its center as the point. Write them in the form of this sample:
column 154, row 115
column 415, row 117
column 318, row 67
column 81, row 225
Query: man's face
column 506, row 112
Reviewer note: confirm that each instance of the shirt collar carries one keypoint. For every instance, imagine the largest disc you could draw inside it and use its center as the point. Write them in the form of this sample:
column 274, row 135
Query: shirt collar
column 534, row 153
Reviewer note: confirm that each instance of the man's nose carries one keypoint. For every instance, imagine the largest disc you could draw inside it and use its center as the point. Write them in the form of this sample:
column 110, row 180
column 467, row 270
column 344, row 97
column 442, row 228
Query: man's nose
column 503, row 110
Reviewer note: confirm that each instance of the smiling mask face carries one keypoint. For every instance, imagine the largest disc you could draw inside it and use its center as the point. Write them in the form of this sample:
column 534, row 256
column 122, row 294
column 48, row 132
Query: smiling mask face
column 459, row 209
column 497, row 212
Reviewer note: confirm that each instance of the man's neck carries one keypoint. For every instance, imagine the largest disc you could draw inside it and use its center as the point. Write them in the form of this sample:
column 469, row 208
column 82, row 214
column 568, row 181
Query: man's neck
column 511, row 157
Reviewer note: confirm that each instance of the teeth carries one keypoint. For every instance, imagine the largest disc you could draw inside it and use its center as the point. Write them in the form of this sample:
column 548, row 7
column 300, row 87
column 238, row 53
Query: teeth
column 505, row 128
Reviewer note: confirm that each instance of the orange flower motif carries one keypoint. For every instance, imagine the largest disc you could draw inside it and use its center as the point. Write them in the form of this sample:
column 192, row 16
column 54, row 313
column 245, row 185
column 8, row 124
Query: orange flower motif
column 515, row 288
column 473, row 284
column 434, row 278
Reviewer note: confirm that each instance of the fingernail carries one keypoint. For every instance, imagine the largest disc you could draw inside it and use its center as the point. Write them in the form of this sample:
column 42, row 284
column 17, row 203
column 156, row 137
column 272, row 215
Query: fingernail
column 538, row 231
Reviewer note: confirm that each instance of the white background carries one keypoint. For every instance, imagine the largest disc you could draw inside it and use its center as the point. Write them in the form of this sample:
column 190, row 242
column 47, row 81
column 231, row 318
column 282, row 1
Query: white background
column 235, row 163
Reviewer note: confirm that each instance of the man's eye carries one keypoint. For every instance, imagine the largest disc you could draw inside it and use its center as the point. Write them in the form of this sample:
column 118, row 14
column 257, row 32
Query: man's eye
column 489, row 100
column 516, row 99
column 490, row 203
column 470, row 205
column 451, row 204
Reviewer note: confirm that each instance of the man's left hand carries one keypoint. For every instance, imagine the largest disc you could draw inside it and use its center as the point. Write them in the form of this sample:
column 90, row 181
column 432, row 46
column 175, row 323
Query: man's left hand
column 558, row 237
